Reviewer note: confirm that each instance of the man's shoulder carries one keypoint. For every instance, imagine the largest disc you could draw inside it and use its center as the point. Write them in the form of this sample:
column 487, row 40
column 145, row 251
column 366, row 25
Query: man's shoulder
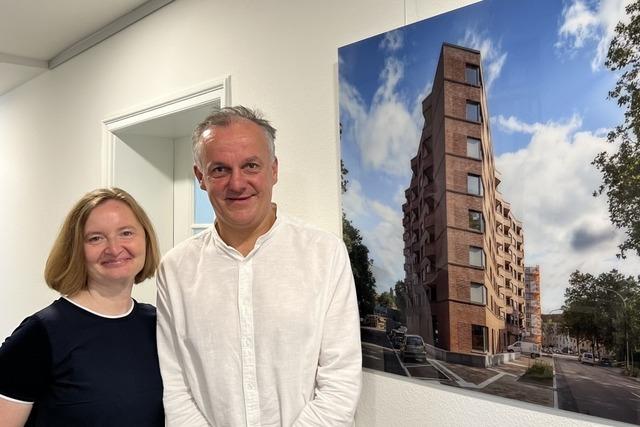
column 309, row 233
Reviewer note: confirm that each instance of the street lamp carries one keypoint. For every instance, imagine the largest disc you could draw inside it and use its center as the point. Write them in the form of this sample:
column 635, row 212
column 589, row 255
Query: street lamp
column 626, row 329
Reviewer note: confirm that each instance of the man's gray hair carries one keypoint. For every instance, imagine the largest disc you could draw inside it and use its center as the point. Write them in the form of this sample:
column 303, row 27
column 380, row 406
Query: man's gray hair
column 224, row 117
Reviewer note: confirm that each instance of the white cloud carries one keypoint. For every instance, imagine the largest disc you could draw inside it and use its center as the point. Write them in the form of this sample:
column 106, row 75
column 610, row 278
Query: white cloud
column 493, row 58
column 580, row 24
column 399, row 198
column 549, row 185
column 392, row 41
column 383, row 239
column 386, row 133
column 513, row 124
column 354, row 200
column 417, row 102
column 590, row 22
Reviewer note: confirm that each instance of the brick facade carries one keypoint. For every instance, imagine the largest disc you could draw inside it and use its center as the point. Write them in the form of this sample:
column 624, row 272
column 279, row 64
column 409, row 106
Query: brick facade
column 453, row 303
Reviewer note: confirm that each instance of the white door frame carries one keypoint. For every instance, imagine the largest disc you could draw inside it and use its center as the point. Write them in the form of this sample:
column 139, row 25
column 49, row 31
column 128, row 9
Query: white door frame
column 192, row 97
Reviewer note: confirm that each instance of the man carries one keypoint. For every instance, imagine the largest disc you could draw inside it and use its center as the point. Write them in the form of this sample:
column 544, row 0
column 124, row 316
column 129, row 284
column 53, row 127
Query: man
column 257, row 316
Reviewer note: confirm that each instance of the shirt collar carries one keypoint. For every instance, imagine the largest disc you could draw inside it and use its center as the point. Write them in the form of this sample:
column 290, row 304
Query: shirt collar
column 232, row 252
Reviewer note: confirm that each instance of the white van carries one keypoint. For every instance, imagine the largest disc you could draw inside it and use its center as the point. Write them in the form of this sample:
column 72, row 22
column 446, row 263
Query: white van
column 530, row 348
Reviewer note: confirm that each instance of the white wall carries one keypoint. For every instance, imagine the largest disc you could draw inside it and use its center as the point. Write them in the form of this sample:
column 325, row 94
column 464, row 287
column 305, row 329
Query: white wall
column 282, row 58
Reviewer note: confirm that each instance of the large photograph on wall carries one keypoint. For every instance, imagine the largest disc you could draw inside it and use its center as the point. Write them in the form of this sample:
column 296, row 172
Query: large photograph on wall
column 491, row 201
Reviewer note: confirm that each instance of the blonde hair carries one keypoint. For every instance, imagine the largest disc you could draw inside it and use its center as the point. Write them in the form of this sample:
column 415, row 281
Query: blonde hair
column 66, row 270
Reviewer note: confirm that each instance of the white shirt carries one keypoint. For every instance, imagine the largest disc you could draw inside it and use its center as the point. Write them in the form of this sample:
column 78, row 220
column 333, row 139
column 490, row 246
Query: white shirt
column 270, row 339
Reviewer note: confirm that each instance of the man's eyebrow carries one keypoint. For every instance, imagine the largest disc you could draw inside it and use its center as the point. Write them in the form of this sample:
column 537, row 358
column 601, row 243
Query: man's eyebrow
column 216, row 164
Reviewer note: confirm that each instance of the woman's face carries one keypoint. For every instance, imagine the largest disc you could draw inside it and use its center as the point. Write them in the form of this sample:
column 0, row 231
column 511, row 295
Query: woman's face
column 114, row 245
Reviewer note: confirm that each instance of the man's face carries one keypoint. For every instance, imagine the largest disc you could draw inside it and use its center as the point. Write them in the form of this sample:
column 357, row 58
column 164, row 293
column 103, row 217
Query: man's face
column 238, row 174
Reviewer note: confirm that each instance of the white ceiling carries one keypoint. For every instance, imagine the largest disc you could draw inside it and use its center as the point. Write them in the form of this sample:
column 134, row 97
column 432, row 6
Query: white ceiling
column 36, row 35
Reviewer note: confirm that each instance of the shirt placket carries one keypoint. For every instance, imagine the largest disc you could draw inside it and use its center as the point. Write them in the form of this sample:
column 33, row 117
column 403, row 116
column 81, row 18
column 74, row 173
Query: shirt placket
column 249, row 379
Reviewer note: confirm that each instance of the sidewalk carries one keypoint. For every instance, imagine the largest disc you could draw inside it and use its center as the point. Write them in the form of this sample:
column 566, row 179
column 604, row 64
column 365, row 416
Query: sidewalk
column 504, row 380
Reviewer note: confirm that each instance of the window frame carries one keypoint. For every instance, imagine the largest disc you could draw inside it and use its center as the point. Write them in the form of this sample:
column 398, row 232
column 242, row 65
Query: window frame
column 478, row 115
column 485, row 337
column 476, row 285
column 480, row 187
column 482, row 256
column 481, row 229
column 476, row 74
column 479, row 141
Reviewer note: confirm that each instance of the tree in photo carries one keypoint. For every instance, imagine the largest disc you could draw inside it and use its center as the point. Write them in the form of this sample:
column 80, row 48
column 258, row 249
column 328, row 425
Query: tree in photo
column 621, row 170
column 387, row 299
column 600, row 311
column 359, row 257
column 401, row 300
column 361, row 267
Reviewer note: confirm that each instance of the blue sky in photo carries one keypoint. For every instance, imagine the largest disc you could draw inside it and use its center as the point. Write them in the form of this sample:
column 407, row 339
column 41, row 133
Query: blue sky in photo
column 546, row 85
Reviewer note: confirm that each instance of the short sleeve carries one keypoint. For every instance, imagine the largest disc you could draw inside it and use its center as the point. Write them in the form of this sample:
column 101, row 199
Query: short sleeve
column 25, row 362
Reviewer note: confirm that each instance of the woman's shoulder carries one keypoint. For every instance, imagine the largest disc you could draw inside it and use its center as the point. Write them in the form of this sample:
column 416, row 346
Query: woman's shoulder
column 144, row 309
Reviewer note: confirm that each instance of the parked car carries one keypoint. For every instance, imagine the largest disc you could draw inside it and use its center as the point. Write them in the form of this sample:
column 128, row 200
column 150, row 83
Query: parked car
column 587, row 358
column 528, row 348
column 413, row 348
column 605, row 361
column 397, row 339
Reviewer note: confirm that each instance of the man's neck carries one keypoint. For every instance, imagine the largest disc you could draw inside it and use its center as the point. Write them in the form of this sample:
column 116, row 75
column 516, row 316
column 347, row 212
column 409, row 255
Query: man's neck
column 244, row 240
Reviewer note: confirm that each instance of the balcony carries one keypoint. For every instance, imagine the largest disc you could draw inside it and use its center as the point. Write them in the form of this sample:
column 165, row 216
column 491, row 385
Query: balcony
column 506, row 274
column 414, row 165
column 501, row 238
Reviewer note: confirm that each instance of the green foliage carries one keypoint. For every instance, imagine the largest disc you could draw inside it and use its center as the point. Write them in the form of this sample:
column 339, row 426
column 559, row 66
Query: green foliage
column 603, row 309
column 401, row 300
column 539, row 370
column 361, row 267
column 387, row 299
column 358, row 256
column 621, row 170
column 343, row 177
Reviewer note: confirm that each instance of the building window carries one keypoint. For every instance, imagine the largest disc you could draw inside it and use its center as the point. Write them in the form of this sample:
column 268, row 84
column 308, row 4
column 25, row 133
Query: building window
column 474, row 184
column 474, row 148
column 473, row 111
column 476, row 222
column 472, row 74
column 479, row 338
column 476, row 256
column 478, row 293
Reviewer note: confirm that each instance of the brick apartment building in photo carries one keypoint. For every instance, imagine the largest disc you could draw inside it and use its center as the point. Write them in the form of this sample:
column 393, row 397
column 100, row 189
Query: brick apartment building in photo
column 463, row 248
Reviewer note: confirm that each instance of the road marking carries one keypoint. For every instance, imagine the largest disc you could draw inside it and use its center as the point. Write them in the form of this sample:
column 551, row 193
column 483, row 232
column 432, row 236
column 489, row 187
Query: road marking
column 517, row 364
column 498, row 371
column 635, row 395
column 406, row 371
column 485, row 383
column 447, row 372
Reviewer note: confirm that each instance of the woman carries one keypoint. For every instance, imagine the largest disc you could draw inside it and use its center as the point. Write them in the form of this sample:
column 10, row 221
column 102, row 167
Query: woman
column 89, row 359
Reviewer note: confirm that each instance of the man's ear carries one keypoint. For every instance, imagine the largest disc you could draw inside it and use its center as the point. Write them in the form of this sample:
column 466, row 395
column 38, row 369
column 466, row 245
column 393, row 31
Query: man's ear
column 199, row 176
column 274, row 170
